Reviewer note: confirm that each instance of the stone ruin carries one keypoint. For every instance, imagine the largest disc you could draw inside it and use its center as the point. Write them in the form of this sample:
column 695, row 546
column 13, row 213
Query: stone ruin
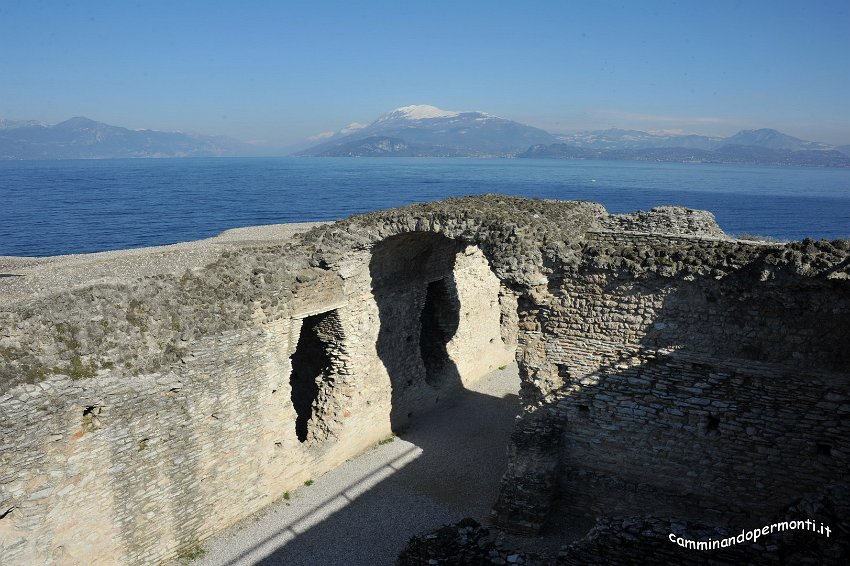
column 667, row 371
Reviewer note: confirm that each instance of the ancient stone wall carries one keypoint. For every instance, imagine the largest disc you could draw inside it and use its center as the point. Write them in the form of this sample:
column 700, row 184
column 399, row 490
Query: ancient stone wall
column 665, row 220
column 676, row 371
column 689, row 376
column 119, row 468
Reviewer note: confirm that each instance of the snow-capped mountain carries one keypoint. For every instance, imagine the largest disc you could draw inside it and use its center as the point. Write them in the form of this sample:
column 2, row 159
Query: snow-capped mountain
column 418, row 112
column 428, row 131
column 82, row 138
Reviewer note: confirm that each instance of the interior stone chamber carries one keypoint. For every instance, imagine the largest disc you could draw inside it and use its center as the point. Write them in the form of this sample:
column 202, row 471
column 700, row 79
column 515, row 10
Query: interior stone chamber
column 666, row 369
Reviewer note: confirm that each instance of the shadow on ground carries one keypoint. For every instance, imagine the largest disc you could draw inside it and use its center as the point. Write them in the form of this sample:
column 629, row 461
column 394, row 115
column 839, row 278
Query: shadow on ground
column 445, row 467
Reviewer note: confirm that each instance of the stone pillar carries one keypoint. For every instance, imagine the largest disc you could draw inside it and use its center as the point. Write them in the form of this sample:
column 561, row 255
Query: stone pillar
column 530, row 483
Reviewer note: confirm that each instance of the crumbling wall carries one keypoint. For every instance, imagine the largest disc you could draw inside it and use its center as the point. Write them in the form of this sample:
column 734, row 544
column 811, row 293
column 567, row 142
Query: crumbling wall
column 668, row 220
column 182, row 420
column 689, row 376
column 668, row 371
column 795, row 534
column 670, row 540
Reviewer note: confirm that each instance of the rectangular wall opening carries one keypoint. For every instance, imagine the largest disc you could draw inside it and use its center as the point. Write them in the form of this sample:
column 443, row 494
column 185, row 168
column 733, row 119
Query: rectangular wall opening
column 439, row 321
column 311, row 380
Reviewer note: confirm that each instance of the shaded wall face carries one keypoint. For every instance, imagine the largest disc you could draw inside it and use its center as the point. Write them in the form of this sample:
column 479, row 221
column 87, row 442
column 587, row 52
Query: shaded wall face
column 704, row 398
column 438, row 322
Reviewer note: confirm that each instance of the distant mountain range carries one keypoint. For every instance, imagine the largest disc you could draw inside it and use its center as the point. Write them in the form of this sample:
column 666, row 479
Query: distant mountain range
column 427, row 131
column 82, row 138
column 424, row 131
column 729, row 153
column 616, row 139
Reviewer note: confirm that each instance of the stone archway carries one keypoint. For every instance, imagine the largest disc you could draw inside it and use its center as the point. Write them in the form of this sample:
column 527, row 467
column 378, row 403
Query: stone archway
column 440, row 319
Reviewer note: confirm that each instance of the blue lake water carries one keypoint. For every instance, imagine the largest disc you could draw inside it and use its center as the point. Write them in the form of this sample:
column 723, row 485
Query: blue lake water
column 59, row 207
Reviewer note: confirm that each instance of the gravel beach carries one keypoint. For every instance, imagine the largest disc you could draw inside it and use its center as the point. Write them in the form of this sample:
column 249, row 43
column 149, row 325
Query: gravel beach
column 27, row 278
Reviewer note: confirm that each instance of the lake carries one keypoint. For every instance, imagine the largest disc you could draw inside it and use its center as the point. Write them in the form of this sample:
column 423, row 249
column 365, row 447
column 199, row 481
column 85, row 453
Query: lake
column 60, row 207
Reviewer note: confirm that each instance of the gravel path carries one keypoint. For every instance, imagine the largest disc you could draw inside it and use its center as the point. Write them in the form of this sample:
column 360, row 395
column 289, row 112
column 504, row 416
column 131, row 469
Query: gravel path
column 26, row 278
column 445, row 467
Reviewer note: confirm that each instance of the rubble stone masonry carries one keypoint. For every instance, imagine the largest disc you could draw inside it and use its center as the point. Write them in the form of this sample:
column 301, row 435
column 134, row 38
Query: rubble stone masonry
column 666, row 369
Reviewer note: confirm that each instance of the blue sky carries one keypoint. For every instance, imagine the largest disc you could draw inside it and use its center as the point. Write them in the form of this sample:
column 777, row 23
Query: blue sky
column 277, row 72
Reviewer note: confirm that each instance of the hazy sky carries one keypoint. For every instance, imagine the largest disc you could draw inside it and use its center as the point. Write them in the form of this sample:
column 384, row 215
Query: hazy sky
column 277, row 72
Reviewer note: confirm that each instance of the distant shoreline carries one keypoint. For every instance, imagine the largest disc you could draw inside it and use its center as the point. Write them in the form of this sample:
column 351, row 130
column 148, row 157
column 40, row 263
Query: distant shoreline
column 602, row 157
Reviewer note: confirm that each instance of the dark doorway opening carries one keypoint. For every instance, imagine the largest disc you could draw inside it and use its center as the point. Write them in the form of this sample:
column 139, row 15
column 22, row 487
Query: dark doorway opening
column 311, row 369
column 439, row 321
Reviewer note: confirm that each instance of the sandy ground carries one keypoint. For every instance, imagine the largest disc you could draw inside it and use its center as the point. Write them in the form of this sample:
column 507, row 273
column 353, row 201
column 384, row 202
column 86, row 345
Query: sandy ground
column 446, row 467
column 26, row 278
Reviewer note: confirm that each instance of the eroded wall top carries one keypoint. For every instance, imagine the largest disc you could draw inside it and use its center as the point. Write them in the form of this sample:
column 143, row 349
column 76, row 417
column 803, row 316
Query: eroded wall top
column 128, row 326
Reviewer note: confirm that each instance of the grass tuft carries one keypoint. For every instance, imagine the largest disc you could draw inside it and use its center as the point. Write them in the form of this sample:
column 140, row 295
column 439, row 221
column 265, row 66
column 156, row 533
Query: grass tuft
column 191, row 553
